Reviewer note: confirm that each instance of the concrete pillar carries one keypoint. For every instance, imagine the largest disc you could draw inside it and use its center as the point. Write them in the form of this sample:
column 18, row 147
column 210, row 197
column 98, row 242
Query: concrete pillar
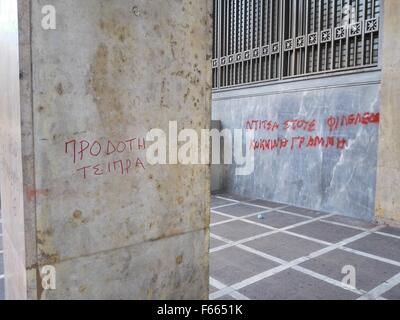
column 111, row 225
column 388, row 178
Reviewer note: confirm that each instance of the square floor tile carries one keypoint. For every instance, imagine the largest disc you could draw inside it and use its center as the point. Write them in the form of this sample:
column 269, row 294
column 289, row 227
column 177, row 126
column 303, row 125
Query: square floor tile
column 391, row 230
column 240, row 210
column 1, row 264
column 1, row 243
column 326, row 232
column 268, row 204
column 215, row 202
column 393, row 294
column 233, row 265
column 214, row 243
column 278, row 219
column 284, row 246
column 379, row 245
column 212, row 289
column 369, row 273
column 351, row 222
column 294, row 285
column 215, row 218
column 304, row 211
column 238, row 230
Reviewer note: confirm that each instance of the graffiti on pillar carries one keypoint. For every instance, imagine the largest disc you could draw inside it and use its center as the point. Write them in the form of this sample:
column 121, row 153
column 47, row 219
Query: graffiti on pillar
column 301, row 133
column 106, row 157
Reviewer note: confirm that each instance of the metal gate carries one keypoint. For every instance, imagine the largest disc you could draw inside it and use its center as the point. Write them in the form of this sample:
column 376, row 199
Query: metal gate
column 258, row 41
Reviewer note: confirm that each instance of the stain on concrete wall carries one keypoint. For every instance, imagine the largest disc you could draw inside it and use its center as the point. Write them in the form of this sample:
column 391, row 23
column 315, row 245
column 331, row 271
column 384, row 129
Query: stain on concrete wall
column 109, row 73
column 387, row 197
column 11, row 157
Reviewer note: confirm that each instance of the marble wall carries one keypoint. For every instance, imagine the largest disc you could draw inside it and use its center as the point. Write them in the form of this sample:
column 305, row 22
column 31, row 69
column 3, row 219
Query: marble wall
column 334, row 168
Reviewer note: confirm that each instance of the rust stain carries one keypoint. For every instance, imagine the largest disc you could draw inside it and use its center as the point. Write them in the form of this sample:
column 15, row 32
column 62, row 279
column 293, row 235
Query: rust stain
column 105, row 96
column 380, row 212
column 77, row 215
column 32, row 194
column 115, row 30
column 179, row 260
column 60, row 89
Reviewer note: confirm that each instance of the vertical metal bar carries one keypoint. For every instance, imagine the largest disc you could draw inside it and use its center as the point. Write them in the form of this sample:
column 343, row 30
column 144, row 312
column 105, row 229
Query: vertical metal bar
column 347, row 44
column 364, row 18
column 319, row 33
column 251, row 35
column 327, row 27
column 355, row 38
column 261, row 35
column 293, row 35
column 282, row 37
column 235, row 34
column 243, row 38
column 371, row 60
column 219, row 43
column 271, row 20
column 226, row 40
column 306, row 35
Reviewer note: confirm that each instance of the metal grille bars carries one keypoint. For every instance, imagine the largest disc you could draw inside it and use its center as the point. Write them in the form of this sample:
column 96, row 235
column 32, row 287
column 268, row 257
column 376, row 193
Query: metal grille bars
column 270, row 40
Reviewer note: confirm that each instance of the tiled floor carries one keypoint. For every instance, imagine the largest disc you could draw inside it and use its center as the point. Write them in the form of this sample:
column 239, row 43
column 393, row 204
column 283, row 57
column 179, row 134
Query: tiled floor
column 264, row 250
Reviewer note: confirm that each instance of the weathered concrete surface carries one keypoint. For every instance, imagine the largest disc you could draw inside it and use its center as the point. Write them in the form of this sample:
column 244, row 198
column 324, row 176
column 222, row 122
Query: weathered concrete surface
column 388, row 181
column 11, row 171
column 329, row 179
column 110, row 73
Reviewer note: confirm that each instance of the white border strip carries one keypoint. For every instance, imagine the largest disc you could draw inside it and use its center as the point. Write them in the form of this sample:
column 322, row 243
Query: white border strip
column 226, row 290
column 273, row 231
column 295, row 263
column 374, row 294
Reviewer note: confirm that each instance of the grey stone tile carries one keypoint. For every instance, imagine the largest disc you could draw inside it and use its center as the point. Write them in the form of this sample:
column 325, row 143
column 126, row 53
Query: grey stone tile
column 212, row 289
column 1, row 264
column 2, row 292
column 326, row 232
column 285, row 247
column 278, row 219
column 238, row 230
column 393, row 294
column 294, row 285
column 215, row 218
column 351, row 222
column 304, row 211
column 391, row 230
column 269, row 204
column 215, row 202
column 369, row 273
column 240, row 210
column 233, row 265
column 214, row 243
column 379, row 245
column 1, row 243
column 226, row 298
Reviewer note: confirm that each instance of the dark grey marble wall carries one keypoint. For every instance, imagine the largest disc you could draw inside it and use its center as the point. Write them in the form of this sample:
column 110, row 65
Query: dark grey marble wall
column 332, row 179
